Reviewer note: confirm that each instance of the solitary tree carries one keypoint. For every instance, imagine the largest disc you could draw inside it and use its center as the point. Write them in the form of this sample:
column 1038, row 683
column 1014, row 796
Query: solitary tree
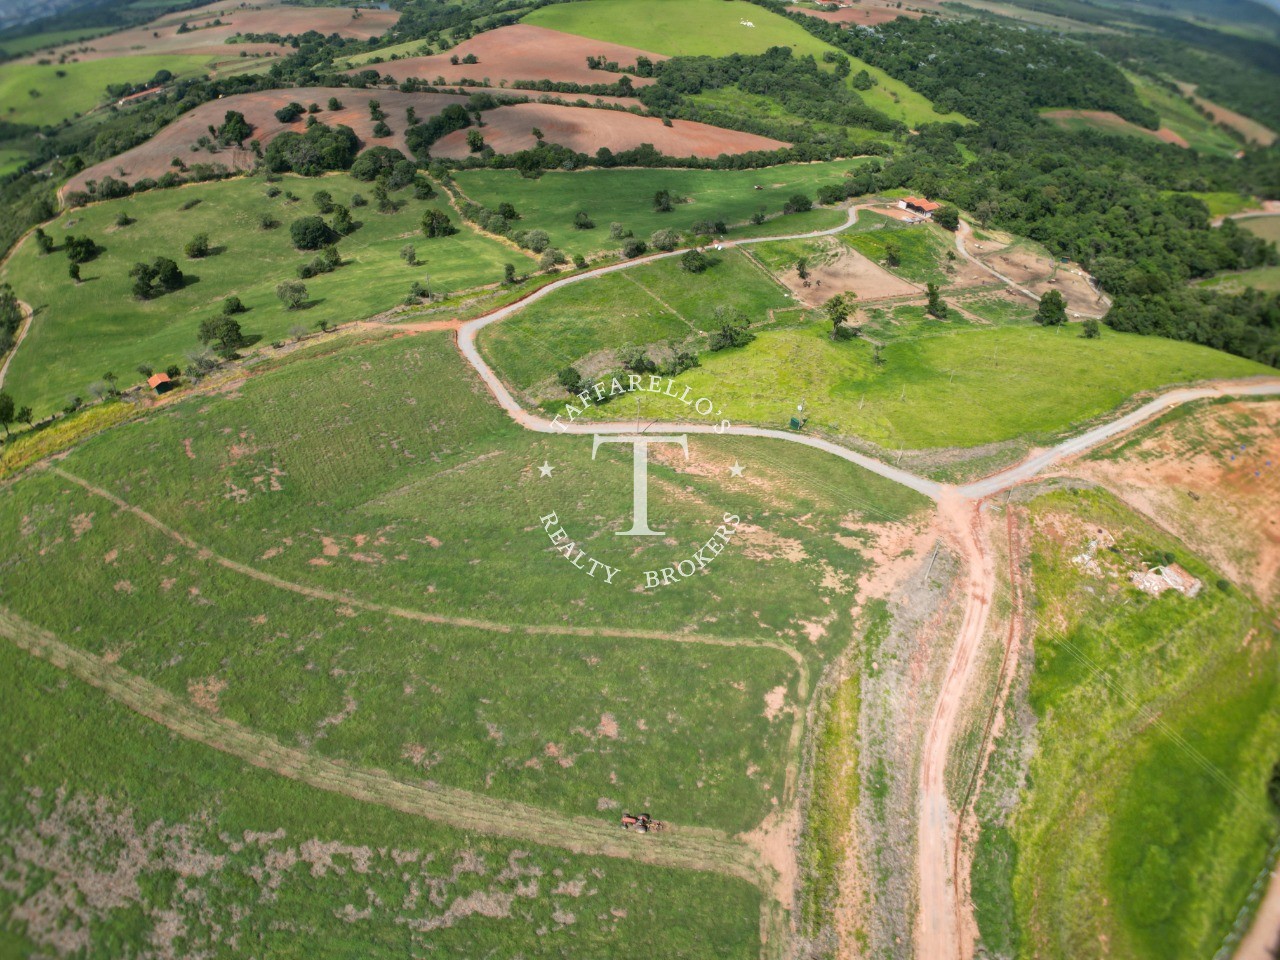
column 892, row 252
column 409, row 254
column 1052, row 310
column 222, row 332
column 310, row 233
column 475, row 141
column 694, row 261
column 1091, row 329
column 508, row 273
column 73, row 270
column 662, row 201
column 6, row 411
column 342, row 222
column 323, row 200
column 583, row 221
column 797, row 203
column 436, row 223
column 802, row 268
column 936, row 307
column 837, row 313
column 292, row 294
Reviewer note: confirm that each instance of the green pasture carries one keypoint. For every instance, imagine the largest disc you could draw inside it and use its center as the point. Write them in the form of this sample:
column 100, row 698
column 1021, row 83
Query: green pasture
column 83, row 85
column 227, row 853
column 380, row 474
column 626, row 196
column 1182, row 118
column 586, row 323
column 948, row 384
column 1258, row 278
column 17, row 46
column 1146, row 817
column 1266, row 227
column 713, row 28
column 84, row 330
column 1221, row 203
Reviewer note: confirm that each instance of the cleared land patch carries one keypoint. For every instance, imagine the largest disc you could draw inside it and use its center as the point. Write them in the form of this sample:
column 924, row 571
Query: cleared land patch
column 952, row 385
column 1210, row 472
column 46, row 94
column 179, row 139
column 216, row 31
column 517, row 52
column 584, row 130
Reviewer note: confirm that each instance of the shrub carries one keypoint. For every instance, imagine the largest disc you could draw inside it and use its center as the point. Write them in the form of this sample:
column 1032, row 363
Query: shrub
column 581, row 221
column 290, row 113
column 947, row 217
column 571, row 380
column 233, row 305
column 797, row 203
column 665, row 240
column 197, row 247
column 733, row 331
column 633, row 248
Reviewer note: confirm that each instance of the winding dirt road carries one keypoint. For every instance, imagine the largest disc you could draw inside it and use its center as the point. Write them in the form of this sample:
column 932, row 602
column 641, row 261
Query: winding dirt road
column 28, row 315
column 939, row 926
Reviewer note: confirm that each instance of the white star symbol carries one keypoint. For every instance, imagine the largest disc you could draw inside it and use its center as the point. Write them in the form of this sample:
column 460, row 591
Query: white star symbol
column 736, row 469
column 545, row 469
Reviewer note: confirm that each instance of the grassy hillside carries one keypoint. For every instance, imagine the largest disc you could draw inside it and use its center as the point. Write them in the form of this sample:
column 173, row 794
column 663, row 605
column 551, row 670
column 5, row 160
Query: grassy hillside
column 379, row 520
column 1146, row 818
column 713, row 28
column 83, row 85
column 1183, row 119
column 649, row 304
column 83, row 330
column 187, row 838
column 626, row 196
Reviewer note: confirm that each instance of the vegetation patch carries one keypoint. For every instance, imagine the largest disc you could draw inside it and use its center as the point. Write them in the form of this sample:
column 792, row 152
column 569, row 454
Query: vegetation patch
column 1157, row 725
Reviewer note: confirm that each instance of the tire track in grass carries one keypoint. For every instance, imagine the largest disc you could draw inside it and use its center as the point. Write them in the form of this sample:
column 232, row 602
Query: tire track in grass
column 688, row 848
column 319, row 593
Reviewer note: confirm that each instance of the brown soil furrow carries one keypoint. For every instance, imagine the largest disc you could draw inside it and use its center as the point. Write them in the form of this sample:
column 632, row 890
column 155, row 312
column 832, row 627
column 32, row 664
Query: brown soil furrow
column 690, row 848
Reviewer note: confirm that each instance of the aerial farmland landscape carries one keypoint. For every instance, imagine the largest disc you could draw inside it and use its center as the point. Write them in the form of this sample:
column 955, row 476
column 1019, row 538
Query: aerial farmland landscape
column 643, row 479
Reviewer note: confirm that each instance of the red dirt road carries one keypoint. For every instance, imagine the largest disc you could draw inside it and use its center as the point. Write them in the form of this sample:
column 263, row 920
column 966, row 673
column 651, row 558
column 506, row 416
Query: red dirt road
column 937, row 930
column 507, row 129
column 153, row 158
column 519, row 52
